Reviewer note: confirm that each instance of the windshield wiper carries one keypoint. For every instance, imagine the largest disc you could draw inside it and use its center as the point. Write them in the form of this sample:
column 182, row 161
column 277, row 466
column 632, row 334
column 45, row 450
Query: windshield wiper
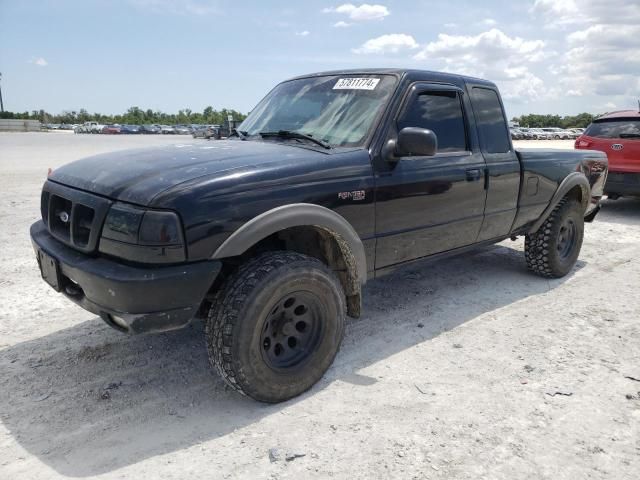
column 630, row 135
column 239, row 133
column 291, row 134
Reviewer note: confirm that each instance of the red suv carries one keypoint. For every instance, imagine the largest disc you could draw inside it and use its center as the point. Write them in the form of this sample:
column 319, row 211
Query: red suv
column 618, row 135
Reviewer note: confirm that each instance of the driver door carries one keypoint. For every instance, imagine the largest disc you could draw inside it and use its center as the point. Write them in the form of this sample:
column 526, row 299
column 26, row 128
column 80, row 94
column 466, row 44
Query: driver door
column 430, row 204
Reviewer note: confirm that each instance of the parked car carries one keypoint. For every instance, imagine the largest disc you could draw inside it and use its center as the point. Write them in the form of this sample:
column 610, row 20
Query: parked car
column 271, row 237
column 89, row 127
column 130, row 129
column 149, row 129
column 182, row 130
column 571, row 134
column 206, row 131
column 516, row 134
column 557, row 133
column 111, row 129
column 618, row 135
column 539, row 134
column 526, row 134
column 167, row 130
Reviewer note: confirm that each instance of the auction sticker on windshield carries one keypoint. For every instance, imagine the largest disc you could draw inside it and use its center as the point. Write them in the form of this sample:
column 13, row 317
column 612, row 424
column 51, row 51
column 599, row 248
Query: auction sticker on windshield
column 356, row 83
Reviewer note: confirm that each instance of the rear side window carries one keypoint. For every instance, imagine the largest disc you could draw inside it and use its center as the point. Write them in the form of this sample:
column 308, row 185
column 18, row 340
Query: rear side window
column 619, row 128
column 440, row 112
column 492, row 125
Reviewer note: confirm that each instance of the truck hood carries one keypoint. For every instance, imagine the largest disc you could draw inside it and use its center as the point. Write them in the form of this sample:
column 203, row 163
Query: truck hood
column 138, row 176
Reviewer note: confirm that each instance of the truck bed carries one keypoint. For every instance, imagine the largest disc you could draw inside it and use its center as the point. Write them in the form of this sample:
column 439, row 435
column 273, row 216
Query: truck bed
column 543, row 170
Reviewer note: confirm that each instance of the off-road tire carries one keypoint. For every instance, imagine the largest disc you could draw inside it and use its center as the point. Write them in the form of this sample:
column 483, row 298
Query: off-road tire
column 245, row 312
column 546, row 250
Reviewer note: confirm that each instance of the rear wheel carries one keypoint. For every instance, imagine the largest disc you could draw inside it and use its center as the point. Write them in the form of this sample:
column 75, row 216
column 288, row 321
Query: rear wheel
column 553, row 250
column 276, row 325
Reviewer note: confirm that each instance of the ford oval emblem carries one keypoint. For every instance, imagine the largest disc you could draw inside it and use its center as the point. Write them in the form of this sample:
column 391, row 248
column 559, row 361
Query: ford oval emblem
column 617, row 146
column 64, row 217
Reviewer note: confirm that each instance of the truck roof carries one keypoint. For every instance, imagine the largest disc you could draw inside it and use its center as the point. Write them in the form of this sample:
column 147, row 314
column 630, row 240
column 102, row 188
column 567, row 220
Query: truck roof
column 411, row 74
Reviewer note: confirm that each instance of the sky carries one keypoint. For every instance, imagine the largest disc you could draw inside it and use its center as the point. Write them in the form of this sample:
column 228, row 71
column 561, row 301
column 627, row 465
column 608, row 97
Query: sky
column 547, row 56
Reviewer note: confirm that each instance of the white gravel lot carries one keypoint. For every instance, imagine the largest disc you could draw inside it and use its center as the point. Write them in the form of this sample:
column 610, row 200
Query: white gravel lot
column 469, row 368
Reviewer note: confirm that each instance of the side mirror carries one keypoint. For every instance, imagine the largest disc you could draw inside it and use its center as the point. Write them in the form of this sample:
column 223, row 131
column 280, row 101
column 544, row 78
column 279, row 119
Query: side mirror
column 415, row 141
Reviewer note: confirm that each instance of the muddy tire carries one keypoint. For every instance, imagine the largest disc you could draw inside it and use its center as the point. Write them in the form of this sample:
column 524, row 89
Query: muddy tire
column 553, row 250
column 276, row 325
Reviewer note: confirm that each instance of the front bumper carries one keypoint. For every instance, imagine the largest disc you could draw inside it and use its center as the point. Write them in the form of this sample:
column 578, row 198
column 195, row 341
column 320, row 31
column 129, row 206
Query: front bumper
column 129, row 298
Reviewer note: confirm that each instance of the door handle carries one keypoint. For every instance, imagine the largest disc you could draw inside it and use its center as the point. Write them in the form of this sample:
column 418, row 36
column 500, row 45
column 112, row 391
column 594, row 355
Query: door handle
column 474, row 175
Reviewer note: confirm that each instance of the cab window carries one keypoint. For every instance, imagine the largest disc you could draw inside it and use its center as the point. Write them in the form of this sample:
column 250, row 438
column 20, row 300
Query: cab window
column 441, row 112
column 490, row 119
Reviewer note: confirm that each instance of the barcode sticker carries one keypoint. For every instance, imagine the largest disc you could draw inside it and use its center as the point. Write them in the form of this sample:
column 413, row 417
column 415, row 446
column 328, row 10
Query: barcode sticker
column 356, row 83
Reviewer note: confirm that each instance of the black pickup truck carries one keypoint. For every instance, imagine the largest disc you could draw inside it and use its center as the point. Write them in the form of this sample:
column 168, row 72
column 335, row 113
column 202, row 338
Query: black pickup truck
column 333, row 179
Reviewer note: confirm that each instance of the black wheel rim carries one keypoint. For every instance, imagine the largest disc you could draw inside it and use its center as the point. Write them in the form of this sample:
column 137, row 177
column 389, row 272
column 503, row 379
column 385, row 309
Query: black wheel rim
column 566, row 238
column 292, row 330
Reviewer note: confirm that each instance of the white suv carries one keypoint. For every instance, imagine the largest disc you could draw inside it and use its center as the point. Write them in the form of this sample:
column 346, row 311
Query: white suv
column 558, row 133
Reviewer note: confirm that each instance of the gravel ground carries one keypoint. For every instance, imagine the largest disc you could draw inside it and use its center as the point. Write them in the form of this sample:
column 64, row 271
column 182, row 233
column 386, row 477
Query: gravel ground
column 468, row 368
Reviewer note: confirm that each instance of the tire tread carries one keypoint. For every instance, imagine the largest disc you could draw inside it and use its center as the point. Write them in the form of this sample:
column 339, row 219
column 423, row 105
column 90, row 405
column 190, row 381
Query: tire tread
column 226, row 306
column 537, row 244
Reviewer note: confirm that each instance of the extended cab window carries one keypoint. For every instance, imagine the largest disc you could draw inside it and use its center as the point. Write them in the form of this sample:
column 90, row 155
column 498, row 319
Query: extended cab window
column 492, row 125
column 440, row 112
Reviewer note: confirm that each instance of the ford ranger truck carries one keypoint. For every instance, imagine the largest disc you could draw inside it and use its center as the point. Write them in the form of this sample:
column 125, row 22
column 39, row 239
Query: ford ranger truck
column 333, row 179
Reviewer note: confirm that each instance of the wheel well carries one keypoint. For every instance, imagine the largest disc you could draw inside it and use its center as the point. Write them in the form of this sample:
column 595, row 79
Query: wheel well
column 575, row 193
column 578, row 194
column 319, row 242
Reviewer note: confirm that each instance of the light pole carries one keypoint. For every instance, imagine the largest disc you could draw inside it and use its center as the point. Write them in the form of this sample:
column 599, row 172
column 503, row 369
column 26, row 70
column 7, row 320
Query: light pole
column 1, row 104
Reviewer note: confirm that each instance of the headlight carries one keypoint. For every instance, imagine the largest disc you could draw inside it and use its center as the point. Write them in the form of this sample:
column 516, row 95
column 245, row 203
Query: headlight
column 122, row 223
column 144, row 236
column 160, row 228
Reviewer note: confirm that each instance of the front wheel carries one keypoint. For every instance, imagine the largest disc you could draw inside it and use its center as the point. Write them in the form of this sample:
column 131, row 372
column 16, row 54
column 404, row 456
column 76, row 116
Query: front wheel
column 276, row 325
column 553, row 250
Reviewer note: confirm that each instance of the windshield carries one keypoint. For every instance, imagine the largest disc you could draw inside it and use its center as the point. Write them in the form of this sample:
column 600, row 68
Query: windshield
column 337, row 109
column 614, row 129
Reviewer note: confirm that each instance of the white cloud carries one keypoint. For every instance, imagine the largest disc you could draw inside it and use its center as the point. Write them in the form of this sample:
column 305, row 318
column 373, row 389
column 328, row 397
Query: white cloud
column 491, row 46
column 360, row 13
column 178, row 7
column 489, row 22
column 390, row 43
column 342, row 24
column 602, row 54
column 39, row 61
column 303, row 33
column 568, row 13
column 557, row 12
column 493, row 55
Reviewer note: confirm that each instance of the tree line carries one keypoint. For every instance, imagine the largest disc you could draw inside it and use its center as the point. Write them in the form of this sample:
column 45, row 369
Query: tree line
column 533, row 120
column 134, row 116
column 138, row 116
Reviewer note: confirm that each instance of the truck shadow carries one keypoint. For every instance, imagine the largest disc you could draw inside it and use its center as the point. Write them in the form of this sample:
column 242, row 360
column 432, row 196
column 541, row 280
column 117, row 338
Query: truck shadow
column 87, row 400
column 625, row 210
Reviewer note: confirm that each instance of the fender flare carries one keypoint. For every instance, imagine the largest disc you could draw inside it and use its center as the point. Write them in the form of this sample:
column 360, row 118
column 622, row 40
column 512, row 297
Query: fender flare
column 295, row 215
column 572, row 180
